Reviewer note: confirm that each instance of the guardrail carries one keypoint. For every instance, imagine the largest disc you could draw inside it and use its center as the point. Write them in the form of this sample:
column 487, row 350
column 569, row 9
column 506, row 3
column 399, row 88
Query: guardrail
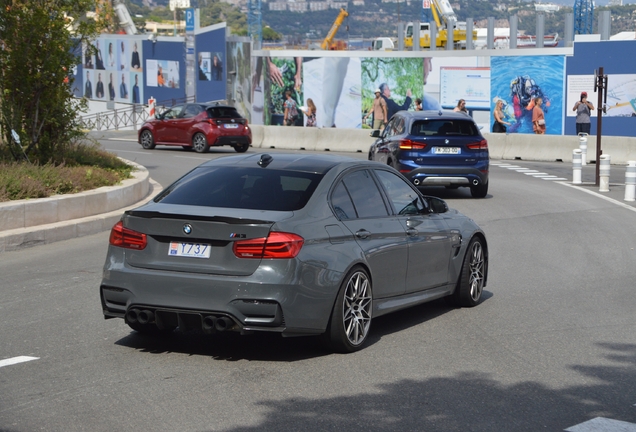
column 130, row 116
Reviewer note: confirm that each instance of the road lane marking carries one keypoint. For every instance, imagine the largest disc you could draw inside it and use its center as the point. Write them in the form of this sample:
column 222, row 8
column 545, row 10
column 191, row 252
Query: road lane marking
column 603, row 424
column 16, row 360
column 606, row 198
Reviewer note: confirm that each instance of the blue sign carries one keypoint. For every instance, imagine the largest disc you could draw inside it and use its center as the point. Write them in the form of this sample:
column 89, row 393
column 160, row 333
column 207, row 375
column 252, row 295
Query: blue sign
column 189, row 19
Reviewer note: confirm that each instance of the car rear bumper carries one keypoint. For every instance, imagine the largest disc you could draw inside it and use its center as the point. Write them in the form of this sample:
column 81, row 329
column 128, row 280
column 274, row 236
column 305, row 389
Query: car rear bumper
column 281, row 297
column 436, row 176
column 233, row 140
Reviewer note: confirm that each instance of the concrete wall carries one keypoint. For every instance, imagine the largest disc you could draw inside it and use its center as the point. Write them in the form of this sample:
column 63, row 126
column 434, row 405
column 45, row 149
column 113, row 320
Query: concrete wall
column 502, row 146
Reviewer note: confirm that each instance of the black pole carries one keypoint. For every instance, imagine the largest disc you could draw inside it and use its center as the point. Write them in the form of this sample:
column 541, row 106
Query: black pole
column 598, row 84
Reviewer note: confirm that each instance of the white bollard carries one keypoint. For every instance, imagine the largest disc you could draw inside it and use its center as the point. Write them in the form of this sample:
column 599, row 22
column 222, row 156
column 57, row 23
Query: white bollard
column 576, row 166
column 630, row 181
column 604, row 173
column 583, row 147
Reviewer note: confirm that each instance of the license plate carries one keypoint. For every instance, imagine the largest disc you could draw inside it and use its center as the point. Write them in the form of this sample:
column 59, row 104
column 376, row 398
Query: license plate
column 230, row 126
column 447, row 150
column 190, row 250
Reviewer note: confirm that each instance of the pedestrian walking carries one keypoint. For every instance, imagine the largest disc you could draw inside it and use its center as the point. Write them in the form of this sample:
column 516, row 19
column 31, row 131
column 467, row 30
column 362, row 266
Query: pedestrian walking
column 538, row 117
column 499, row 126
column 583, row 110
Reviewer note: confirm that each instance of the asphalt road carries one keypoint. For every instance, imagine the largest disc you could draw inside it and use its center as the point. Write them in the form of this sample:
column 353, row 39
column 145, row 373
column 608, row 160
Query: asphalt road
column 552, row 345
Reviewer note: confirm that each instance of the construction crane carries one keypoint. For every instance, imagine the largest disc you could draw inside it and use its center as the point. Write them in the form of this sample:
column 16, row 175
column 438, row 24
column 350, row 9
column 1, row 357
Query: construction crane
column 327, row 43
column 445, row 19
column 583, row 16
column 254, row 21
column 125, row 21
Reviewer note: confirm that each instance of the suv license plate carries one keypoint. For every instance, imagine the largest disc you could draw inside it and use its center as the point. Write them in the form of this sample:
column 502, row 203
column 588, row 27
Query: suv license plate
column 447, row 150
column 230, row 126
column 191, row 250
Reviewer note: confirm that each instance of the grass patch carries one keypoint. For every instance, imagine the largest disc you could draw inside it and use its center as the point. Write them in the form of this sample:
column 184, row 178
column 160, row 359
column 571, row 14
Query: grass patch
column 83, row 167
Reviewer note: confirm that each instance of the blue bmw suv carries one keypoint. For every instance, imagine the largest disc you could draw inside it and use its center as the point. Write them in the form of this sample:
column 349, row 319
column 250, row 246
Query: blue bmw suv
column 435, row 148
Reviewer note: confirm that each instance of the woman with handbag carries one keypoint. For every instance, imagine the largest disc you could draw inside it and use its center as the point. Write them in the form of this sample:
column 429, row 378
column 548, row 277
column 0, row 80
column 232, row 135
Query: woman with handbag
column 499, row 126
column 538, row 118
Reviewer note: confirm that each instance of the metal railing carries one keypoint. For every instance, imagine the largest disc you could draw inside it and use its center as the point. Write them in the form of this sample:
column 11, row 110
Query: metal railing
column 131, row 116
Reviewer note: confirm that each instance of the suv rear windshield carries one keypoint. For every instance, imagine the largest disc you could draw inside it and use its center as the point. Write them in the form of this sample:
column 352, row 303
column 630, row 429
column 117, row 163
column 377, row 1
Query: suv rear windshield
column 223, row 112
column 439, row 127
column 242, row 188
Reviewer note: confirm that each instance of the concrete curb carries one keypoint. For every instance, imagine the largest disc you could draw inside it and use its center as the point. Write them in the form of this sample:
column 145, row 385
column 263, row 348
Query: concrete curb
column 32, row 222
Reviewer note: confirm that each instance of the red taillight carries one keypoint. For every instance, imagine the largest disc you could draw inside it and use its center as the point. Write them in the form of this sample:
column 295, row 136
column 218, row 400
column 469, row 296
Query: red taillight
column 481, row 145
column 277, row 245
column 408, row 144
column 127, row 238
column 213, row 122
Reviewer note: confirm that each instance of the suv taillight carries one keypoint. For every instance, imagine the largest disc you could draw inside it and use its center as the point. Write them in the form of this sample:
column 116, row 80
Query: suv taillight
column 407, row 144
column 481, row 145
column 278, row 245
column 127, row 238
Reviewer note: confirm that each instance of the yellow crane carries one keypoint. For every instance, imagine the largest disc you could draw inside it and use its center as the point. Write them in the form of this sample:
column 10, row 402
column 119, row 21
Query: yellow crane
column 445, row 19
column 327, row 43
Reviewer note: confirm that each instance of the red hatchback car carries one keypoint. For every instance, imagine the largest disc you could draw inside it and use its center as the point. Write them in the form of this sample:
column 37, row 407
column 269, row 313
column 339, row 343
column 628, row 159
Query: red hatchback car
column 197, row 126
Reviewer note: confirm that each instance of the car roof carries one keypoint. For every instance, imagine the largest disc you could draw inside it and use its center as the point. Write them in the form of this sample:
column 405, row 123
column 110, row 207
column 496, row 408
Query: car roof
column 206, row 105
column 434, row 115
column 288, row 161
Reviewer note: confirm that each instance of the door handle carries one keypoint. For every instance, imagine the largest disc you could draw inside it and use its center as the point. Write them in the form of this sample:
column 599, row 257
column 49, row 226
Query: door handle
column 362, row 234
column 412, row 232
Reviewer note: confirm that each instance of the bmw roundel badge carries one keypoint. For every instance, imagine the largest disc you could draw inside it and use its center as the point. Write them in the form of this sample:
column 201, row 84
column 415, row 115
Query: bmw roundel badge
column 187, row 228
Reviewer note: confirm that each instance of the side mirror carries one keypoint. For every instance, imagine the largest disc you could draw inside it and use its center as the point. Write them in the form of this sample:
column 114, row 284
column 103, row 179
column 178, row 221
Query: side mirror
column 437, row 205
column 375, row 133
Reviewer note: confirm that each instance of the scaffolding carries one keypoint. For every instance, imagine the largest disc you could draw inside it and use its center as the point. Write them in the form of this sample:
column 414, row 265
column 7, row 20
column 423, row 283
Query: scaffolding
column 583, row 16
column 255, row 22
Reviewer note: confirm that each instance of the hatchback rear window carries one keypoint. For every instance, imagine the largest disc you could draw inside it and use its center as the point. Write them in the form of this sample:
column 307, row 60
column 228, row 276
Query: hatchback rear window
column 243, row 188
column 223, row 112
column 444, row 128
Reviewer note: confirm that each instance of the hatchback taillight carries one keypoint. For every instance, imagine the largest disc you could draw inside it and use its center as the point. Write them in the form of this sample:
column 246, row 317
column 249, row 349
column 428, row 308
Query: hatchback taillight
column 481, row 145
column 407, row 144
column 127, row 238
column 278, row 245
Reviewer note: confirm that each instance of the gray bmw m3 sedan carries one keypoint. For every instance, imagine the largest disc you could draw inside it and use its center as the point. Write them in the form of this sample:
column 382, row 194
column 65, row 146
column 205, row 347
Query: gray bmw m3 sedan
column 289, row 243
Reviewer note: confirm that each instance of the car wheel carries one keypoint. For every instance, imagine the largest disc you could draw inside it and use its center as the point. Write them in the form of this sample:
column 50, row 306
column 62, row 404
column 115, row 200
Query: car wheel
column 241, row 148
column 200, row 143
column 479, row 191
column 351, row 316
column 471, row 279
column 147, row 140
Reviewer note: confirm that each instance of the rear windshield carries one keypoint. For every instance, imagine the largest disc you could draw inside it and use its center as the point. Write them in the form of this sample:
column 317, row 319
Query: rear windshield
column 444, row 128
column 242, row 188
column 223, row 112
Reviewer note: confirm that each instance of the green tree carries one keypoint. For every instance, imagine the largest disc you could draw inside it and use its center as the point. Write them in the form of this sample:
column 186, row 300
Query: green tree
column 40, row 45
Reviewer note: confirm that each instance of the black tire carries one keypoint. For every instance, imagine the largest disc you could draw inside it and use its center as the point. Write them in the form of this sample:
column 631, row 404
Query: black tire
column 241, row 148
column 479, row 191
column 351, row 316
column 146, row 140
column 470, row 285
column 200, row 143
